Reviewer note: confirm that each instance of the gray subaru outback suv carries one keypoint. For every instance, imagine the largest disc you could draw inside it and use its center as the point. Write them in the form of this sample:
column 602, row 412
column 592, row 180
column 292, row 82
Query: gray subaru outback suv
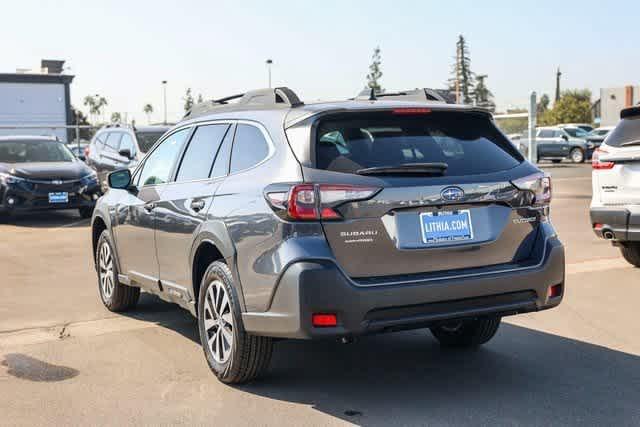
column 268, row 218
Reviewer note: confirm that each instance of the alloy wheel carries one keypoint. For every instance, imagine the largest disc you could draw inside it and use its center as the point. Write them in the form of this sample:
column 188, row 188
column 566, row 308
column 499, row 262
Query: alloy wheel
column 105, row 267
column 218, row 322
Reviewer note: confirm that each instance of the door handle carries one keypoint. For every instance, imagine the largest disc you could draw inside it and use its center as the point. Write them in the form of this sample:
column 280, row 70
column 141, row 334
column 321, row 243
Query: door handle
column 149, row 206
column 197, row 205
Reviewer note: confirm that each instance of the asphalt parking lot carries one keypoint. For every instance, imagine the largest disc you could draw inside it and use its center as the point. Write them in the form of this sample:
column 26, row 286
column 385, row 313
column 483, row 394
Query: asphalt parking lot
column 65, row 360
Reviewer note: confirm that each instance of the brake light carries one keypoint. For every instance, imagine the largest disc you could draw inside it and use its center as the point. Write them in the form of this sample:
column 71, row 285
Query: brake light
column 596, row 163
column 539, row 184
column 311, row 202
column 411, row 111
column 86, row 151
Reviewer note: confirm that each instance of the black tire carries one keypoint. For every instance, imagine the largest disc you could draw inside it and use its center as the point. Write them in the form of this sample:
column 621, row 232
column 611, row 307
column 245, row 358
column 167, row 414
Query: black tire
column 249, row 354
column 573, row 155
column 556, row 160
column 122, row 297
column 467, row 333
column 86, row 212
column 631, row 252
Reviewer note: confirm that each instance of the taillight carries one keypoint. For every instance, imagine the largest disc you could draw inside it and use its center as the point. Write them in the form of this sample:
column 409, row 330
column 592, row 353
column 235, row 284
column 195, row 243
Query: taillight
column 311, row 202
column 539, row 185
column 86, row 151
column 596, row 163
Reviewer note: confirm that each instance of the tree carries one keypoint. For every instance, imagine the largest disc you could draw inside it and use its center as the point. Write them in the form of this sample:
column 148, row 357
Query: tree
column 574, row 106
column 200, row 98
column 116, row 117
column 188, row 100
column 81, row 120
column 482, row 96
column 463, row 78
column 148, row 110
column 95, row 103
column 373, row 78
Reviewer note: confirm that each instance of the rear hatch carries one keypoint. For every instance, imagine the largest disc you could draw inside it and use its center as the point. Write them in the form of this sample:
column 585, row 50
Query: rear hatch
column 443, row 192
column 616, row 164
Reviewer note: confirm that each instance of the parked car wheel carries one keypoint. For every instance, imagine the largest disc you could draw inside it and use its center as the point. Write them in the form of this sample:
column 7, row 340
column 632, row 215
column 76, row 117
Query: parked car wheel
column 86, row 212
column 115, row 296
column 576, row 155
column 631, row 252
column 233, row 355
column 467, row 333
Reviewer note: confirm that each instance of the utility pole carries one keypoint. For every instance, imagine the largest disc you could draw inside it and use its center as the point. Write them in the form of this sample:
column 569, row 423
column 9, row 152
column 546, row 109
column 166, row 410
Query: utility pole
column 558, row 74
column 269, row 62
column 164, row 87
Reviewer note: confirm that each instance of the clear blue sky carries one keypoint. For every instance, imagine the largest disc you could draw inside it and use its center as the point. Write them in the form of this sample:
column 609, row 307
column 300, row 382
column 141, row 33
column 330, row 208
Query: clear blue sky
column 123, row 49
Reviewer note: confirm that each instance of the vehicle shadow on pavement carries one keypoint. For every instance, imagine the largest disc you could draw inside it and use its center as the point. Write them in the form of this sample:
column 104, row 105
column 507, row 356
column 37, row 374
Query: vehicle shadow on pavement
column 523, row 376
column 45, row 220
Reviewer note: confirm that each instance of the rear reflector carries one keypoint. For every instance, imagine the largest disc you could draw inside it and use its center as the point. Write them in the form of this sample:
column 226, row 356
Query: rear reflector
column 597, row 226
column 324, row 320
column 554, row 291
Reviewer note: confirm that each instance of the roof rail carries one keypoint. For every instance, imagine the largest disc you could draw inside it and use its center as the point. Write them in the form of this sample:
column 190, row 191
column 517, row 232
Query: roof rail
column 281, row 96
column 419, row 95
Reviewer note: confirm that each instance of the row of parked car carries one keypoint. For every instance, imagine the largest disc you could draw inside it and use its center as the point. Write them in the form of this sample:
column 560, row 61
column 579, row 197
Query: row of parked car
column 575, row 142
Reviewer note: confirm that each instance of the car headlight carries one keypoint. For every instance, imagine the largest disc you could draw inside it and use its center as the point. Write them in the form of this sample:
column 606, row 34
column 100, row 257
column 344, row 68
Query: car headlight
column 92, row 178
column 8, row 179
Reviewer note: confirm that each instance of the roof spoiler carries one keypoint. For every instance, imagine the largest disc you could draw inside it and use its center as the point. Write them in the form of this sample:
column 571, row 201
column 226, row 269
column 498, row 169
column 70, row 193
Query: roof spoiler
column 260, row 97
column 418, row 94
column 630, row 112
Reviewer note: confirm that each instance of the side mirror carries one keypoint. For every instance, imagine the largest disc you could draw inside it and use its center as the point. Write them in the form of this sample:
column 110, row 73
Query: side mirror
column 125, row 152
column 120, row 179
column 565, row 137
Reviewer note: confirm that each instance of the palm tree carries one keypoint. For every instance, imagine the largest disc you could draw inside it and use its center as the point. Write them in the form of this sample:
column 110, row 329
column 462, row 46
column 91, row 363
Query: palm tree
column 148, row 110
column 95, row 103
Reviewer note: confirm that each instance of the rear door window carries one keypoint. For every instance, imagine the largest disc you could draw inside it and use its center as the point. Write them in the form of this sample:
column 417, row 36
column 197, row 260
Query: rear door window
column 199, row 155
column 113, row 140
column 468, row 143
column 221, row 164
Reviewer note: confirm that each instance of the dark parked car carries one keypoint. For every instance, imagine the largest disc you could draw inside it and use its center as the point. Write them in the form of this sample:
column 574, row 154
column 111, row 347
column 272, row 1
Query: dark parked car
column 116, row 147
column 558, row 143
column 39, row 173
column 78, row 150
column 598, row 135
column 268, row 218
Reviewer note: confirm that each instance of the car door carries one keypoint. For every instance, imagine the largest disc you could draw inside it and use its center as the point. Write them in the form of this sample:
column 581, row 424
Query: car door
column 183, row 206
column 544, row 142
column 562, row 147
column 135, row 216
column 109, row 154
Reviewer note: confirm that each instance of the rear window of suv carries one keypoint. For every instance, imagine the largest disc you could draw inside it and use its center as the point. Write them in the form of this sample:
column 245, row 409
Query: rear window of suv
column 627, row 131
column 468, row 143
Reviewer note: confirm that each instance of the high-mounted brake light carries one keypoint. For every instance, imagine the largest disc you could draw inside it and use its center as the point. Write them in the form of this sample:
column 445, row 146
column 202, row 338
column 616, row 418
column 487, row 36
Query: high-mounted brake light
column 596, row 163
column 539, row 184
column 310, row 202
column 411, row 111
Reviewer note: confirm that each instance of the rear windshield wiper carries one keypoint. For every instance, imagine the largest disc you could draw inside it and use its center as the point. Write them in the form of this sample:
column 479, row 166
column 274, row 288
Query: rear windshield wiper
column 406, row 168
column 635, row 142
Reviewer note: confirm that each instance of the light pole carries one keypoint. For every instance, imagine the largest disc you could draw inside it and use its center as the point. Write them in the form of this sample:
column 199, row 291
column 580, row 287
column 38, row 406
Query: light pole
column 164, row 89
column 269, row 62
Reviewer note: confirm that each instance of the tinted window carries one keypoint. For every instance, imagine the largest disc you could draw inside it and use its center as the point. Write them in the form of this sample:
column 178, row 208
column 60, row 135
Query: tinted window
column 146, row 139
column 249, row 148
column 113, row 140
column 467, row 143
column 100, row 138
column 576, row 132
column 221, row 165
column 627, row 131
column 545, row 133
column 126, row 143
column 157, row 167
column 34, row 151
column 198, row 158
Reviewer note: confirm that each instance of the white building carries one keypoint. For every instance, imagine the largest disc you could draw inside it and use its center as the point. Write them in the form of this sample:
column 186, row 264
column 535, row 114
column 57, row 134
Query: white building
column 612, row 100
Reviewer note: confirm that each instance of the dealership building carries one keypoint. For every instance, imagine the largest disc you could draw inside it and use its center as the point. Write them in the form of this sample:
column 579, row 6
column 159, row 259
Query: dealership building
column 38, row 99
column 612, row 101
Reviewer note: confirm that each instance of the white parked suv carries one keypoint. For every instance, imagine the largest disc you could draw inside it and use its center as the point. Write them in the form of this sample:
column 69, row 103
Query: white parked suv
column 615, row 206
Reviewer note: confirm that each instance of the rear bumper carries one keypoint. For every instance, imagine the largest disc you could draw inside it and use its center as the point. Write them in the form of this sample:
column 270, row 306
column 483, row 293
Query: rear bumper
column 312, row 287
column 623, row 223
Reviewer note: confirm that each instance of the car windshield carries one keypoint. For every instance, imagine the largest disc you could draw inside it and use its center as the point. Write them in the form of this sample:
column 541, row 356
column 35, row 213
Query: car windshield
column 146, row 139
column 467, row 143
column 576, row 132
column 34, row 151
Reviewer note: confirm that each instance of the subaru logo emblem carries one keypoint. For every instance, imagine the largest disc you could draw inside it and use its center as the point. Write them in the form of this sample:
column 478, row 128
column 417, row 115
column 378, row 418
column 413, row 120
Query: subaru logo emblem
column 56, row 182
column 452, row 194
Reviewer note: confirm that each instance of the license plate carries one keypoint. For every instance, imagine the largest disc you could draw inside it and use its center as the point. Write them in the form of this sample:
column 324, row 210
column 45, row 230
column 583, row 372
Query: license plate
column 61, row 197
column 447, row 226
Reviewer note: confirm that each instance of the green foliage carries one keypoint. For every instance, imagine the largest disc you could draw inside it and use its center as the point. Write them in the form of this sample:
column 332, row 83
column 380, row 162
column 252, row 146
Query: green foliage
column 574, row 106
column 482, row 96
column 461, row 72
column 188, row 100
column 116, row 117
column 148, row 110
column 200, row 99
column 96, row 104
column 81, row 120
column 375, row 73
